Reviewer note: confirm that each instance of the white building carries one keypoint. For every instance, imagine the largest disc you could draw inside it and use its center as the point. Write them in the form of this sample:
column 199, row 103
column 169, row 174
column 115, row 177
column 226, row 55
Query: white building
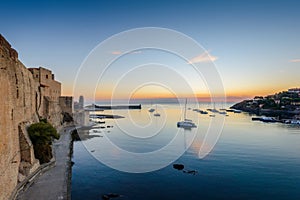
column 294, row 90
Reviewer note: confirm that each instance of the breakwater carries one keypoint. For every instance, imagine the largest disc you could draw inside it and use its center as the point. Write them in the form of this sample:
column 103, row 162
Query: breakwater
column 111, row 107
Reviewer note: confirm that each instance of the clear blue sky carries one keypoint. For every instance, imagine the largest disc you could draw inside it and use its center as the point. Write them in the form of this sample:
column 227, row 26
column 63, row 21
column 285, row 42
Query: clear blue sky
column 257, row 42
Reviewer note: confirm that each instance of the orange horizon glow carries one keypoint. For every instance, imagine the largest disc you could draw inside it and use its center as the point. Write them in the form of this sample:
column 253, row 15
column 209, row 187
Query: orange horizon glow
column 231, row 95
column 206, row 97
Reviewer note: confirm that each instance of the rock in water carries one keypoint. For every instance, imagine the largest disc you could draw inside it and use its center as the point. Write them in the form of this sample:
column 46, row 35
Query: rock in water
column 110, row 195
column 193, row 172
column 178, row 166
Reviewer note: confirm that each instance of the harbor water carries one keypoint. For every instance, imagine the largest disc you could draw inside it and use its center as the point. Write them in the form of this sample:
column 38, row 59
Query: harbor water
column 250, row 160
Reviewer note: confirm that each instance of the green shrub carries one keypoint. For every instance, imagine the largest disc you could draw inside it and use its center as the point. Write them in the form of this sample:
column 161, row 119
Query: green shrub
column 43, row 120
column 42, row 135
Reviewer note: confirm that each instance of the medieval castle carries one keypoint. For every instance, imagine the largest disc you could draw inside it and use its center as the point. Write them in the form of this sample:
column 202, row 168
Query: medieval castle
column 27, row 95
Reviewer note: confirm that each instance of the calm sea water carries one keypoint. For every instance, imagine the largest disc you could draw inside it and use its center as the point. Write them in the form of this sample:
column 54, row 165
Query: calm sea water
column 251, row 160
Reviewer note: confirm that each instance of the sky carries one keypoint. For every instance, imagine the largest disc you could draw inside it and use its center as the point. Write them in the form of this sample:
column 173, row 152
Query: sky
column 254, row 45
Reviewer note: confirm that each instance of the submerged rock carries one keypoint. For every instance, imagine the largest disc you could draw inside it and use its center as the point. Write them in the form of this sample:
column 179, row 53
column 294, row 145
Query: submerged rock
column 110, row 195
column 193, row 172
column 178, row 166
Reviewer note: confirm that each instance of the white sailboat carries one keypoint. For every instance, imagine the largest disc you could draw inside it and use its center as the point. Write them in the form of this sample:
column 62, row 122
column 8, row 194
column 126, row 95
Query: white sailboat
column 223, row 110
column 151, row 109
column 186, row 123
column 214, row 109
column 156, row 114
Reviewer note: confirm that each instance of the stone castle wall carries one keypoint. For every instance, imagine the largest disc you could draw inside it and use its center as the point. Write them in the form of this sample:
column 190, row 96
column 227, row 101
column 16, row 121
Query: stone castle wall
column 66, row 104
column 22, row 102
column 50, row 92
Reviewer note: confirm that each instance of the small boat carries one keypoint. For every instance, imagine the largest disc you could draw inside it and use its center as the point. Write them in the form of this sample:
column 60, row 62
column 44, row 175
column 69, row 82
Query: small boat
column 186, row 123
column 156, row 114
column 265, row 119
column 151, row 110
column 237, row 111
column 212, row 115
column 203, row 112
column 222, row 108
column 222, row 112
column 255, row 118
column 268, row 119
column 214, row 110
column 229, row 110
column 295, row 121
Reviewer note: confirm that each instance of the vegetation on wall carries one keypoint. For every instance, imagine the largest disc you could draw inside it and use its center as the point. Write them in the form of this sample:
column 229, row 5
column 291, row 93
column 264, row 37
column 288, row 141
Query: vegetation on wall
column 42, row 135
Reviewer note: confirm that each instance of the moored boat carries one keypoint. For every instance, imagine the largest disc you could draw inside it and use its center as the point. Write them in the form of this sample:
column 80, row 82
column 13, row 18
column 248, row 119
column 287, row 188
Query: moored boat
column 186, row 123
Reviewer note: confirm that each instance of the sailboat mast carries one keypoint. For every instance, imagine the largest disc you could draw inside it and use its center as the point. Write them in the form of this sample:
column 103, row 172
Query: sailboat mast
column 185, row 109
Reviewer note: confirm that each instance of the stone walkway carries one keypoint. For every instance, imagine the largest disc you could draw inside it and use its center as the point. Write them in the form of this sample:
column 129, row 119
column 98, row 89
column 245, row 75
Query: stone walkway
column 54, row 183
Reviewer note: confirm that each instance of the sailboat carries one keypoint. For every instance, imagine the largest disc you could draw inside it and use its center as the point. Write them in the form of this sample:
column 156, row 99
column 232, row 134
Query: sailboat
column 223, row 110
column 214, row 109
column 186, row 123
column 156, row 114
column 151, row 109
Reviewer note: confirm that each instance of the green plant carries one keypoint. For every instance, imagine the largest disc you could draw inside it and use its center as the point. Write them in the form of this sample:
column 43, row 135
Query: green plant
column 42, row 135
column 43, row 120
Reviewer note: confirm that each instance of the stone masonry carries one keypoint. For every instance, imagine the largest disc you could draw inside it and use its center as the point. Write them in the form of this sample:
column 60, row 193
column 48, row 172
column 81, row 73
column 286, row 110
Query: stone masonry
column 24, row 99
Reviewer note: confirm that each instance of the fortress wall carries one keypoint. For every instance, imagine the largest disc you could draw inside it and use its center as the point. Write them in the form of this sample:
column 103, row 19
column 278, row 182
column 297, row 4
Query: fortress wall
column 23, row 100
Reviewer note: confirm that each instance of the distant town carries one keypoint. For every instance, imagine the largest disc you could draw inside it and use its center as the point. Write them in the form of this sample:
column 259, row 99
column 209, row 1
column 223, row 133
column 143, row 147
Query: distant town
column 284, row 106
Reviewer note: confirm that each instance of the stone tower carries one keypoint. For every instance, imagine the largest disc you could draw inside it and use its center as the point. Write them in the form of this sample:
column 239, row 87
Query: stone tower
column 81, row 102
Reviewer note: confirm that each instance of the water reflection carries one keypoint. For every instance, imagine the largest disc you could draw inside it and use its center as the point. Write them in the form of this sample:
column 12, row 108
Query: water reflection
column 249, row 156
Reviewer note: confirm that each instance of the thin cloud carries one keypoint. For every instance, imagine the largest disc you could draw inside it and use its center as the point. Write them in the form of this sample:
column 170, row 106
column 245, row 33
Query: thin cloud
column 120, row 52
column 116, row 52
column 294, row 60
column 204, row 57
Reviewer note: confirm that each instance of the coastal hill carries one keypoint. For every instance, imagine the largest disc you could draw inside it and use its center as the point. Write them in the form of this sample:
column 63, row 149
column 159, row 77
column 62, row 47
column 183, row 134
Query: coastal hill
column 284, row 105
